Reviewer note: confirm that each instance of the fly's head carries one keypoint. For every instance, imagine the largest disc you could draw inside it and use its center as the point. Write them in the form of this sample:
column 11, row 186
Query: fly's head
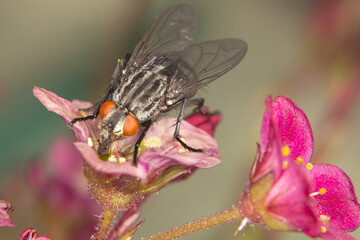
column 116, row 122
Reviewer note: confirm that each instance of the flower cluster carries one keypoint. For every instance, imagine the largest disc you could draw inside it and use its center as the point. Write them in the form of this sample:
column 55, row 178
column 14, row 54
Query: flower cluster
column 288, row 193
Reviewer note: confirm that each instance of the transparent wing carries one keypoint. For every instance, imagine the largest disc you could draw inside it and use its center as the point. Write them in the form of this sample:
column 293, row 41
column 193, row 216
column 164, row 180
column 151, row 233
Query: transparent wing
column 204, row 62
column 173, row 30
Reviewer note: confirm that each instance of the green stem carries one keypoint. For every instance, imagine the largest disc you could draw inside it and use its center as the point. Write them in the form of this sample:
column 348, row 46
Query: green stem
column 105, row 224
column 205, row 223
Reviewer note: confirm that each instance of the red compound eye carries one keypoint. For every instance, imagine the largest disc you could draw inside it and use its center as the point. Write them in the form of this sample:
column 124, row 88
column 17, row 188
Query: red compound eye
column 131, row 125
column 105, row 108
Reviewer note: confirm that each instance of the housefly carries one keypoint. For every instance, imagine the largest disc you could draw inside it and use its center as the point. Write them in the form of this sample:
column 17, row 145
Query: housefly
column 164, row 72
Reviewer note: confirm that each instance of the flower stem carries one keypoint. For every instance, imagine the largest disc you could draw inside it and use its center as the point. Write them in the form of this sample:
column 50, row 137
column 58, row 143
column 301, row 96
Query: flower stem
column 105, row 224
column 205, row 223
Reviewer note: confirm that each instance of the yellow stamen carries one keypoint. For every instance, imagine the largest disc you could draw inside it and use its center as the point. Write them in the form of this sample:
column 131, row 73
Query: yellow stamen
column 323, row 229
column 324, row 219
column 321, row 191
column 113, row 158
column 119, row 60
column 183, row 150
column 152, row 142
column 299, row 160
column 285, row 164
column 122, row 160
column 90, row 142
column 285, row 150
column 309, row 166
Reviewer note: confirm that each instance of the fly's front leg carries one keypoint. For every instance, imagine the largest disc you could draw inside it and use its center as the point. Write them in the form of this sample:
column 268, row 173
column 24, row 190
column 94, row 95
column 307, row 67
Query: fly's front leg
column 197, row 101
column 146, row 126
column 96, row 107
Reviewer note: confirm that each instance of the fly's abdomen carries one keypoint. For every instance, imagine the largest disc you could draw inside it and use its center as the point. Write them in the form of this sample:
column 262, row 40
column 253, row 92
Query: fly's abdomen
column 142, row 94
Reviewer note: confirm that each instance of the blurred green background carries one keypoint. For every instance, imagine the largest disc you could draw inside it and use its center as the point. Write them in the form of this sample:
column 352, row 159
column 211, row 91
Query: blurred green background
column 71, row 48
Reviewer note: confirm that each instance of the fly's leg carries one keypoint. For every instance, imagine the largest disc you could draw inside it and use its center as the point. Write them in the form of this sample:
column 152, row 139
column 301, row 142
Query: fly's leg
column 146, row 126
column 199, row 102
column 118, row 71
column 96, row 108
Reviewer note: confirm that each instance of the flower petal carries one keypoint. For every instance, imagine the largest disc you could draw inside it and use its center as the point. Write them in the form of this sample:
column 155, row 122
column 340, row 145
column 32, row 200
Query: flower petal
column 206, row 122
column 294, row 130
column 339, row 201
column 5, row 220
column 65, row 109
column 31, row 234
column 268, row 157
column 288, row 201
column 125, row 224
column 270, row 160
column 171, row 151
column 110, row 168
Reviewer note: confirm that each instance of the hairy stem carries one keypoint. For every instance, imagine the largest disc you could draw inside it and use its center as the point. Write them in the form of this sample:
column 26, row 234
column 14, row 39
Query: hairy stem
column 204, row 223
column 104, row 225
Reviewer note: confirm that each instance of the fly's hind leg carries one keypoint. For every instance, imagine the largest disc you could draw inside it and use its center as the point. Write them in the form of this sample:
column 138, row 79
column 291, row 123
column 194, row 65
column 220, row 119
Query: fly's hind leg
column 197, row 101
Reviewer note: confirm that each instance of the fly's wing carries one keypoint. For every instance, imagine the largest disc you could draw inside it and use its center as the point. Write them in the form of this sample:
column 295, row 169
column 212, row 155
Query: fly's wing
column 172, row 31
column 202, row 63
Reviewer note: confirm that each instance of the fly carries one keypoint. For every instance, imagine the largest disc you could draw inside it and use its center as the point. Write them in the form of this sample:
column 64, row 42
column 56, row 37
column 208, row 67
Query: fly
column 164, row 72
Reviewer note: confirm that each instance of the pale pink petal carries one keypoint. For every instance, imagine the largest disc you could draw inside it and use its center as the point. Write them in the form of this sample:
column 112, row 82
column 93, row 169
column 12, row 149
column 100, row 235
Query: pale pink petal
column 65, row 109
column 172, row 153
column 5, row 220
column 112, row 168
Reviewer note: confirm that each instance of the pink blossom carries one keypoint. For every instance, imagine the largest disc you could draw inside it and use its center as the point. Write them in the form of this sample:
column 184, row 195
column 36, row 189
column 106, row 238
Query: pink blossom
column 59, row 183
column 5, row 220
column 205, row 120
column 334, row 201
column 286, row 192
column 31, row 234
column 167, row 153
column 158, row 154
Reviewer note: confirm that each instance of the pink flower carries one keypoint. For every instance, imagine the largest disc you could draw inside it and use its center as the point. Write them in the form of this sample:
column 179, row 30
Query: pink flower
column 59, row 184
column 205, row 121
column 286, row 192
column 167, row 149
column 160, row 157
column 5, row 220
column 54, row 179
column 334, row 201
column 31, row 234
